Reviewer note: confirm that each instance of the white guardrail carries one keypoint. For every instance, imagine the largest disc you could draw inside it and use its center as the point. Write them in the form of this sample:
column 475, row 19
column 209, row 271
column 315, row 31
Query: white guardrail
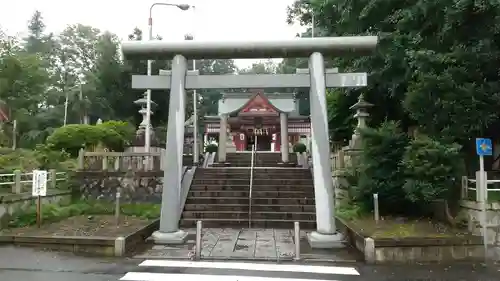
column 17, row 180
column 474, row 185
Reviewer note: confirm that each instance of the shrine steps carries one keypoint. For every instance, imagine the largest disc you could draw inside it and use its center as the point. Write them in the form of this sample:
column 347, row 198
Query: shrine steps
column 219, row 197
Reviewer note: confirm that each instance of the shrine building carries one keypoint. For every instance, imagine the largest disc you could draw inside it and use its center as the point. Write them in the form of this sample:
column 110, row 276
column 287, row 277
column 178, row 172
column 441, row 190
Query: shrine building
column 256, row 119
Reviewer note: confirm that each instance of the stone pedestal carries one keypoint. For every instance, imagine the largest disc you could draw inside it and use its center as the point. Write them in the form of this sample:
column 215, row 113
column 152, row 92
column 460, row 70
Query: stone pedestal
column 326, row 241
column 341, row 187
column 169, row 238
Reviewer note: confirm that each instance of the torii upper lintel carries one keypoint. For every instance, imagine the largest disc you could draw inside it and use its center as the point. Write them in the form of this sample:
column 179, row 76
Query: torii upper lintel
column 295, row 47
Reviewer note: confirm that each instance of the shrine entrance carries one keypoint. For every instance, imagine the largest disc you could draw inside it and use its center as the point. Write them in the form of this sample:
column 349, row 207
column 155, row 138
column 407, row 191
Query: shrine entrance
column 261, row 142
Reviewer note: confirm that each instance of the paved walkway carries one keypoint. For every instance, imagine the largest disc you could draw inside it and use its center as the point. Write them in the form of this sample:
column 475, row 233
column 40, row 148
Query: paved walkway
column 249, row 244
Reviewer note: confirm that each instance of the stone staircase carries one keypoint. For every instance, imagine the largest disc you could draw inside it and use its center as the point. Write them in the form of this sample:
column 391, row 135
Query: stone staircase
column 280, row 196
column 262, row 159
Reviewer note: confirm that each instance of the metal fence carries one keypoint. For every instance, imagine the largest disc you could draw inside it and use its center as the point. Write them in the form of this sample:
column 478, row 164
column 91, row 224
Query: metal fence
column 19, row 182
column 470, row 189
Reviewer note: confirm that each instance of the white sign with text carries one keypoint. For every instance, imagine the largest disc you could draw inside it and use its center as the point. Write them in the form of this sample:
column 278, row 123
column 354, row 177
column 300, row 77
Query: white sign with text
column 39, row 183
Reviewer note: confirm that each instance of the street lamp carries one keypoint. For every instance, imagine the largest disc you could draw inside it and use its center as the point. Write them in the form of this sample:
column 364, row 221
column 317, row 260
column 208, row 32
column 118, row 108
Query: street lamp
column 66, row 102
column 183, row 7
column 196, row 153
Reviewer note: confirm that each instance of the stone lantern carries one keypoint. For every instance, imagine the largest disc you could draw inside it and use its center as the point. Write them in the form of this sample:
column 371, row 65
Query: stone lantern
column 141, row 131
column 361, row 108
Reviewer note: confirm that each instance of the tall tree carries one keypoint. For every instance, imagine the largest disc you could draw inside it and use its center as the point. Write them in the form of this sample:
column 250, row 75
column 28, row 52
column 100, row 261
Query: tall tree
column 436, row 57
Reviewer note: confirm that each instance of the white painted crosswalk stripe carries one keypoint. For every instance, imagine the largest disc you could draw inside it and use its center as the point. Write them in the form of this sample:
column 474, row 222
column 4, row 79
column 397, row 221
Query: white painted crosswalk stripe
column 147, row 276
column 254, row 266
column 218, row 271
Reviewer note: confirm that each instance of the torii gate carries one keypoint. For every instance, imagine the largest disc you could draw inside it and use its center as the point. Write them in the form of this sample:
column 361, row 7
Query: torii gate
column 316, row 78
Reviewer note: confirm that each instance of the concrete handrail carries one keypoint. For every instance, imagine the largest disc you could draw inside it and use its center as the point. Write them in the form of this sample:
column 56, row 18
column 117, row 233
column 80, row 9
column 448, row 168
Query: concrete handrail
column 187, row 179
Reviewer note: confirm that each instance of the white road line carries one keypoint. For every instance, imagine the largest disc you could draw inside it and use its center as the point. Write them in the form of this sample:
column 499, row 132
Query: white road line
column 146, row 276
column 254, row 266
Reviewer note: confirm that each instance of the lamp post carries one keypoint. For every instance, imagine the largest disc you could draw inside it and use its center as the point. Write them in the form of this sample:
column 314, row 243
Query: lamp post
column 66, row 102
column 196, row 153
column 147, row 137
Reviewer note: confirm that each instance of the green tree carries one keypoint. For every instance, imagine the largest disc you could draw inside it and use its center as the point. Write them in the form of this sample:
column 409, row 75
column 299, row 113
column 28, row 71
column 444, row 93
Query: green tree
column 435, row 57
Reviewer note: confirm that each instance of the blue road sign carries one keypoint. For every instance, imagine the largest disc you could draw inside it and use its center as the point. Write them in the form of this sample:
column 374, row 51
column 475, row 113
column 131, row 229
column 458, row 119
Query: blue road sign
column 484, row 147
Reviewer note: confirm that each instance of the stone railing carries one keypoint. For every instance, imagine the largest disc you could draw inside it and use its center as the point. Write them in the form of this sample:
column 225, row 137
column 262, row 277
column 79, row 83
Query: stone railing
column 120, row 161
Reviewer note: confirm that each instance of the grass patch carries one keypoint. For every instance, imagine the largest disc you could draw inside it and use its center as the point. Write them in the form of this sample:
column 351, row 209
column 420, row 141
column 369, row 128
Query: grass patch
column 349, row 212
column 55, row 213
column 493, row 196
column 395, row 227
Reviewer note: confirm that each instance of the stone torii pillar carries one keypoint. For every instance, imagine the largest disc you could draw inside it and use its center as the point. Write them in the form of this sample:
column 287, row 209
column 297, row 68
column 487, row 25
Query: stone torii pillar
column 222, row 147
column 317, row 78
column 285, row 150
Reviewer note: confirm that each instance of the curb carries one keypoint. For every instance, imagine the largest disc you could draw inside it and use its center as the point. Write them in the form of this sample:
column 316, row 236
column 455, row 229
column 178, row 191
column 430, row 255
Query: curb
column 287, row 259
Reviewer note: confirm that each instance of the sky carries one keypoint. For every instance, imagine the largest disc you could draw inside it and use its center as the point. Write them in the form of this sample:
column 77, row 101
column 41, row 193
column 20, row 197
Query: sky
column 210, row 20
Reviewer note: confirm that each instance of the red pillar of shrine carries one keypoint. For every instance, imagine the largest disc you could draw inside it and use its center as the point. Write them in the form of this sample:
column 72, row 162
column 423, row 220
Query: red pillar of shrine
column 277, row 141
column 240, row 141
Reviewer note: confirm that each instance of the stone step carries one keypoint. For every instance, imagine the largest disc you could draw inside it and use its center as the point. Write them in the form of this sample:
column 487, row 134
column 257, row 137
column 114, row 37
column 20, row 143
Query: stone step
column 239, row 215
column 294, row 216
column 261, row 170
column 255, row 208
column 256, row 161
column 258, row 156
column 255, row 193
column 229, row 215
column 270, row 163
column 244, row 200
column 283, row 208
column 216, row 207
column 257, row 223
column 256, row 175
column 257, row 181
column 209, row 187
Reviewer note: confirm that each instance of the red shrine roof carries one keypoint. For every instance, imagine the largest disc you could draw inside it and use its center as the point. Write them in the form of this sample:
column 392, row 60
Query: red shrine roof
column 258, row 105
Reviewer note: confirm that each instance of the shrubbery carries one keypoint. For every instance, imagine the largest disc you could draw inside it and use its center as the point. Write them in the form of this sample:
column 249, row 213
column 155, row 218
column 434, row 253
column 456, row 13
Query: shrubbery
column 299, row 148
column 432, row 169
column 380, row 169
column 406, row 173
column 114, row 135
column 211, row 148
column 55, row 212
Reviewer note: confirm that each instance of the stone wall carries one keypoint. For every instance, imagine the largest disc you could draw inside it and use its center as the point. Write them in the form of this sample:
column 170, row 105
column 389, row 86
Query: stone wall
column 14, row 203
column 133, row 186
column 472, row 212
column 413, row 249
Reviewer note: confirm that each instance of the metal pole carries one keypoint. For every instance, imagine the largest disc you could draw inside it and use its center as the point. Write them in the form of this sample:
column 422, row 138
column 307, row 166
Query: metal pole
column 482, row 191
column 198, row 240
column 375, row 207
column 297, row 240
column 14, row 134
column 117, row 207
column 65, row 107
column 196, row 154
column 147, row 138
column 313, row 23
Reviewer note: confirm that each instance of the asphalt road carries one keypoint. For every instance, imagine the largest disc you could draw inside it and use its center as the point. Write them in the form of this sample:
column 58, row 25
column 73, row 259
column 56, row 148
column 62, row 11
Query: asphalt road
column 32, row 265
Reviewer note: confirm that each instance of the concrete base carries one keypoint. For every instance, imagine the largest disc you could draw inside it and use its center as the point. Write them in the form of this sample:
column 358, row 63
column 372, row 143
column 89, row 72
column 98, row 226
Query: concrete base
column 163, row 238
column 326, row 241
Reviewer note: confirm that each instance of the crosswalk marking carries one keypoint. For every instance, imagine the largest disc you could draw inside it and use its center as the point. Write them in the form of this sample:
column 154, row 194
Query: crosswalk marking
column 147, row 276
column 253, row 266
